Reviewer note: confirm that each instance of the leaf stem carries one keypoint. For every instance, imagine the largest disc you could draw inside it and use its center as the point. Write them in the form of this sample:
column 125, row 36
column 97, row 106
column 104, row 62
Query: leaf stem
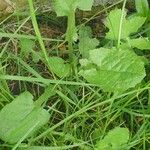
column 121, row 23
column 4, row 82
column 37, row 32
column 70, row 34
column 49, row 91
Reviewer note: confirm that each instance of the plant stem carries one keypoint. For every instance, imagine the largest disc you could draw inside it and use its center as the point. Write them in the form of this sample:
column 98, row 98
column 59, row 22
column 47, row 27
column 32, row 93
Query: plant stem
column 70, row 34
column 49, row 91
column 37, row 32
column 121, row 23
column 4, row 82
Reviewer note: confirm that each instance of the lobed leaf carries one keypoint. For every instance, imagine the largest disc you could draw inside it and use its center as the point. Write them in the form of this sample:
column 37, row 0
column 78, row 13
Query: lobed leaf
column 26, row 46
column 129, row 26
column 114, row 70
column 142, row 7
column 113, row 24
column 86, row 41
column 85, row 31
column 85, row 5
column 18, row 117
column 59, row 67
column 63, row 7
column 140, row 43
column 114, row 139
column 133, row 24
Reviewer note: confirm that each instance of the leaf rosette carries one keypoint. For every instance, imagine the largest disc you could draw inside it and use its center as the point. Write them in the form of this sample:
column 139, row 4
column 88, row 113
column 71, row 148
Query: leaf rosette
column 112, row 69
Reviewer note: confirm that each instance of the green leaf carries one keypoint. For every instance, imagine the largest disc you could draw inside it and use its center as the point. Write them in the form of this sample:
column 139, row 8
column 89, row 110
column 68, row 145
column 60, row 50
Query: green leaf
column 59, row 67
column 87, row 44
column 114, row 70
column 36, row 56
column 37, row 148
column 86, row 41
column 142, row 7
column 113, row 24
column 26, row 46
column 19, row 117
column 85, row 5
column 49, row 92
column 133, row 24
column 115, row 138
column 85, row 31
column 129, row 26
column 63, row 7
column 140, row 43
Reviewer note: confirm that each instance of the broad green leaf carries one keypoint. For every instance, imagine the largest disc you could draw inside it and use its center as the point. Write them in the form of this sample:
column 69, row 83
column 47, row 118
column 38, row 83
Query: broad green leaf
column 63, row 7
column 85, row 31
column 113, row 24
column 26, row 46
column 86, row 42
column 104, row 2
column 100, row 2
column 18, row 117
column 63, row 147
column 48, row 92
column 142, row 7
column 23, row 104
column 37, row 148
column 133, row 24
column 85, row 5
column 129, row 25
column 140, row 43
column 59, row 67
column 115, row 138
column 36, row 56
column 114, row 70
column 36, row 119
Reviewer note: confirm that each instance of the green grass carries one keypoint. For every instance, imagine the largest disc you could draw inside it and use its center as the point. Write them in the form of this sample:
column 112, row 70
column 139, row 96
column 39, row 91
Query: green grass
column 81, row 113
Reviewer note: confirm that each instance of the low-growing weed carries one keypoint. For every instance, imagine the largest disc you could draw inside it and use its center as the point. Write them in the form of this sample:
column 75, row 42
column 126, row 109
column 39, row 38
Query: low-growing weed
column 94, row 95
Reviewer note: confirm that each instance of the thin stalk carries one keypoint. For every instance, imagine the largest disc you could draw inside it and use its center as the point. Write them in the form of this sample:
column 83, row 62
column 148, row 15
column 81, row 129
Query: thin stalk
column 49, row 91
column 37, row 32
column 4, row 82
column 70, row 33
column 121, row 23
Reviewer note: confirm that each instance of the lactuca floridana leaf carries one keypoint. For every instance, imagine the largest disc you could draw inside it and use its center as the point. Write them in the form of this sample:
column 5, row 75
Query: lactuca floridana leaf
column 140, row 43
column 113, row 24
column 59, row 67
column 37, row 148
column 113, row 70
column 128, row 26
column 36, row 56
column 26, row 46
column 23, row 104
column 133, row 24
column 86, row 41
column 85, row 31
column 36, row 119
column 87, row 44
column 19, row 117
column 85, row 5
column 142, row 7
column 115, row 138
column 63, row 7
